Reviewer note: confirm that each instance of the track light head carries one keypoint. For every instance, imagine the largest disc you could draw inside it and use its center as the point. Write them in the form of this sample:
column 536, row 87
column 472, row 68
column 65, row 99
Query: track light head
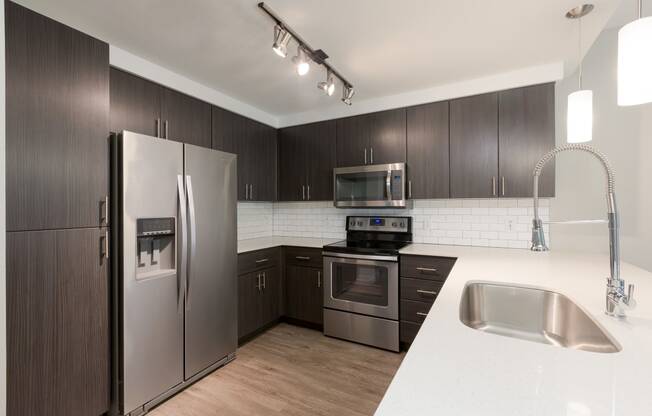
column 329, row 85
column 347, row 94
column 301, row 62
column 281, row 39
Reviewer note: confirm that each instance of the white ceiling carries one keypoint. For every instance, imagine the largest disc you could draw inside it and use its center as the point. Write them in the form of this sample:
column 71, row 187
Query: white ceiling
column 384, row 47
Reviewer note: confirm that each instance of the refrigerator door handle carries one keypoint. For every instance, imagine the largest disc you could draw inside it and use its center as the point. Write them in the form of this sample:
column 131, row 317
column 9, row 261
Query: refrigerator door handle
column 182, row 269
column 193, row 237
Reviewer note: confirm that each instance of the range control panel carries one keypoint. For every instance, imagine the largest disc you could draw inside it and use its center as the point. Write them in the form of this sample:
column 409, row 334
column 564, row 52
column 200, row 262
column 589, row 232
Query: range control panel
column 382, row 224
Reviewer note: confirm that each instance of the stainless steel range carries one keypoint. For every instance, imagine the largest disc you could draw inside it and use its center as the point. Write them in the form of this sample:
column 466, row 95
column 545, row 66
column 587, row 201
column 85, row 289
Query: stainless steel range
column 361, row 281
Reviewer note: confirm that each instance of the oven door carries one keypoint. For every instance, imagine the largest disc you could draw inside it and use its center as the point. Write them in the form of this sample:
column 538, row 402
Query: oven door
column 370, row 186
column 361, row 285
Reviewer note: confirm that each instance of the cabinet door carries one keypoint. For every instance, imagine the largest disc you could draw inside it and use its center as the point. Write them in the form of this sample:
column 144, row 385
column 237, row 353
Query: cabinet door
column 304, row 294
column 248, row 303
column 527, row 132
column 135, row 104
column 185, row 119
column 57, row 115
column 320, row 158
column 428, row 151
column 269, row 301
column 293, row 163
column 262, row 162
column 230, row 135
column 353, row 141
column 474, row 146
column 387, row 136
column 57, row 323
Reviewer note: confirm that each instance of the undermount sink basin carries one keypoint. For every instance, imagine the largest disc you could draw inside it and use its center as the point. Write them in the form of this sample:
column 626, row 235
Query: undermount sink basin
column 532, row 314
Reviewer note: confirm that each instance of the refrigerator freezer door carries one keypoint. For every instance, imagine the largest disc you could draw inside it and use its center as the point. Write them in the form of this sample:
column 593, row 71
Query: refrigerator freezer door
column 211, row 299
column 152, row 303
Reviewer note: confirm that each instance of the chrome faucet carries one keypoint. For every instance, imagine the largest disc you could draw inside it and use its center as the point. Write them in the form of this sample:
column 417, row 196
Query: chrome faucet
column 617, row 301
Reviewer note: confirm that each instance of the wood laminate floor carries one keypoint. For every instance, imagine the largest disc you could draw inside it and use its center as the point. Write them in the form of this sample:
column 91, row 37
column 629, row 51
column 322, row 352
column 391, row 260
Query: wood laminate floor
column 290, row 370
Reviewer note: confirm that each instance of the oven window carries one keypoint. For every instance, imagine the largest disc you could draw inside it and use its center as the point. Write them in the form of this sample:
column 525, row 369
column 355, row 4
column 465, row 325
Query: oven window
column 362, row 186
column 360, row 283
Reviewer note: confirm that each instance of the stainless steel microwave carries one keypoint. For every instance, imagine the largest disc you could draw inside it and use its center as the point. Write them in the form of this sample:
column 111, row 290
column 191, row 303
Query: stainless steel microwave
column 370, row 186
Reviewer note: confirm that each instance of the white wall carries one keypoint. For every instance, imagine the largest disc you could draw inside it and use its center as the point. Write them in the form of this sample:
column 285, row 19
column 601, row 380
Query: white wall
column 624, row 134
column 3, row 302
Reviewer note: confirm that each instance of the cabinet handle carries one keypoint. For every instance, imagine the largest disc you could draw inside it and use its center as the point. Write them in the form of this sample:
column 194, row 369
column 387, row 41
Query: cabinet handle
column 261, row 261
column 264, row 280
column 302, row 258
column 303, row 192
column 502, row 182
column 251, row 191
column 493, row 185
column 308, row 186
column 422, row 314
column 258, row 282
column 371, row 157
column 427, row 269
column 365, row 155
column 166, row 128
column 409, row 189
column 319, row 279
column 104, row 214
column 158, row 127
column 105, row 244
column 427, row 292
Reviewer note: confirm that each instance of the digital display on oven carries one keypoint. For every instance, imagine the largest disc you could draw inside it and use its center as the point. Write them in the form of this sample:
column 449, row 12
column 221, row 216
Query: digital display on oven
column 376, row 221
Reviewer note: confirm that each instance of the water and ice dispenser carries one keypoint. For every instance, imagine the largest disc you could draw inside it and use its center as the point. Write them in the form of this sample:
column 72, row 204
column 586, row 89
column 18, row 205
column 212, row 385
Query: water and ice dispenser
column 155, row 247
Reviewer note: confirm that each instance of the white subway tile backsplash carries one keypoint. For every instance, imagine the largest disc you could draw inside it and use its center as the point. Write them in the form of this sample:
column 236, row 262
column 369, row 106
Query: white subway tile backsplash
column 477, row 222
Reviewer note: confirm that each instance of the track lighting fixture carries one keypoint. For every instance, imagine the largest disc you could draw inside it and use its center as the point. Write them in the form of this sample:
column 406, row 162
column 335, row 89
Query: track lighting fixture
column 283, row 34
column 301, row 62
column 347, row 93
column 281, row 39
column 329, row 85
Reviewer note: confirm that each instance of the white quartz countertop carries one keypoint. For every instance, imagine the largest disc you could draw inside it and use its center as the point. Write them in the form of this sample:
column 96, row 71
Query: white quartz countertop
column 451, row 369
column 269, row 242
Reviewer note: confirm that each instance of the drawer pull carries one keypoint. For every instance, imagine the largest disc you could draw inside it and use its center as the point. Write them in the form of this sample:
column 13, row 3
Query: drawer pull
column 426, row 292
column 302, row 258
column 262, row 261
column 427, row 269
column 422, row 314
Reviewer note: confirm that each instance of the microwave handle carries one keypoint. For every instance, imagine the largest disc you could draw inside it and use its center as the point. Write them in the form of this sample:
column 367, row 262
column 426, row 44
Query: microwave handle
column 388, row 185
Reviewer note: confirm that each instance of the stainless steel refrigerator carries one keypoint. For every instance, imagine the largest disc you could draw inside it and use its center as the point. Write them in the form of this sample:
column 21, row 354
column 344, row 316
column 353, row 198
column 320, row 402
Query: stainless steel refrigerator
column 175, row 288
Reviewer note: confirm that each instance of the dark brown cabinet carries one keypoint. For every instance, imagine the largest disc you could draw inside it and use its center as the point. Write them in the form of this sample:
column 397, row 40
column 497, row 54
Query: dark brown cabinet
column 526, row 132
column 57, row 323
column 256, row 147
column 474, row 147
column 185, row 119
column 258, row 300
column 304, row 294
column 306, row 162
column 374, row 138
column 57, row 109
column 428, row 151
column 145, row 107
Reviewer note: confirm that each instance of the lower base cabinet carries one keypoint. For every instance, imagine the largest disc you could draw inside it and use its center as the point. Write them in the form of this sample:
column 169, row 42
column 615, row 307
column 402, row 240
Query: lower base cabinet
column 57, row 323
column 304, row 294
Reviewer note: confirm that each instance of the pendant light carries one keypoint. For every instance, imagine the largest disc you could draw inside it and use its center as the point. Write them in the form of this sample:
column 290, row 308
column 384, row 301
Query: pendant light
column 579, row 127
column 635, row 61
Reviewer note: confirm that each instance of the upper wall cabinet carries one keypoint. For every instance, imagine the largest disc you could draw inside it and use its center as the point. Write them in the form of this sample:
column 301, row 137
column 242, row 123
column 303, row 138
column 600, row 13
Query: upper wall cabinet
column 474, row 146
column 374, row 138
column 255, row 144
column 306, row 162
column 526, row 132
column 144, row 107
column 57, row 98
column 428, row 151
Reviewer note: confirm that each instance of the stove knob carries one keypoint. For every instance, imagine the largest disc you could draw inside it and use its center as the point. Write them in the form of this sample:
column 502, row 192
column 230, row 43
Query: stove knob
column 402, row 225
column 359, row 223
column 393, row 224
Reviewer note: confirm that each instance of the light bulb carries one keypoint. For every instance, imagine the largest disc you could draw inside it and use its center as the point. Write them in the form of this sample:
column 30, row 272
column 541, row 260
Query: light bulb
column 580, row 117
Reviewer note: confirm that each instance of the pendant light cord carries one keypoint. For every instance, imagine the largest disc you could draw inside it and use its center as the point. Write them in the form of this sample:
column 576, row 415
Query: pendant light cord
column 640, row 9
column 579, row 21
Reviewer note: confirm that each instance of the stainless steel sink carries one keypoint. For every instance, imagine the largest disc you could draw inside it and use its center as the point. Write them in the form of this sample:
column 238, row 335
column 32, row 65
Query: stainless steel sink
column 531, row 314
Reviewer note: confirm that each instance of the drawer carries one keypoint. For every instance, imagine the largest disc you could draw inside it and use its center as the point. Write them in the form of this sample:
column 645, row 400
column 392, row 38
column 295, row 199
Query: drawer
column 257, row 260
column 413, row 311
column 426, row 267
column 408, row 331
column 420, row 289
column 304, row 256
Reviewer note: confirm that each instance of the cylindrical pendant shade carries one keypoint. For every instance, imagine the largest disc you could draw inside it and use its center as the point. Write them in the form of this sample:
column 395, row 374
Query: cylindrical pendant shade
column 635, row 62
column 580, row 117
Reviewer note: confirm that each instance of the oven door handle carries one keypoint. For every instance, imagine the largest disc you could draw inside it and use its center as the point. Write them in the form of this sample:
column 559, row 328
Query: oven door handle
column 360, row 256
column 388, row 185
